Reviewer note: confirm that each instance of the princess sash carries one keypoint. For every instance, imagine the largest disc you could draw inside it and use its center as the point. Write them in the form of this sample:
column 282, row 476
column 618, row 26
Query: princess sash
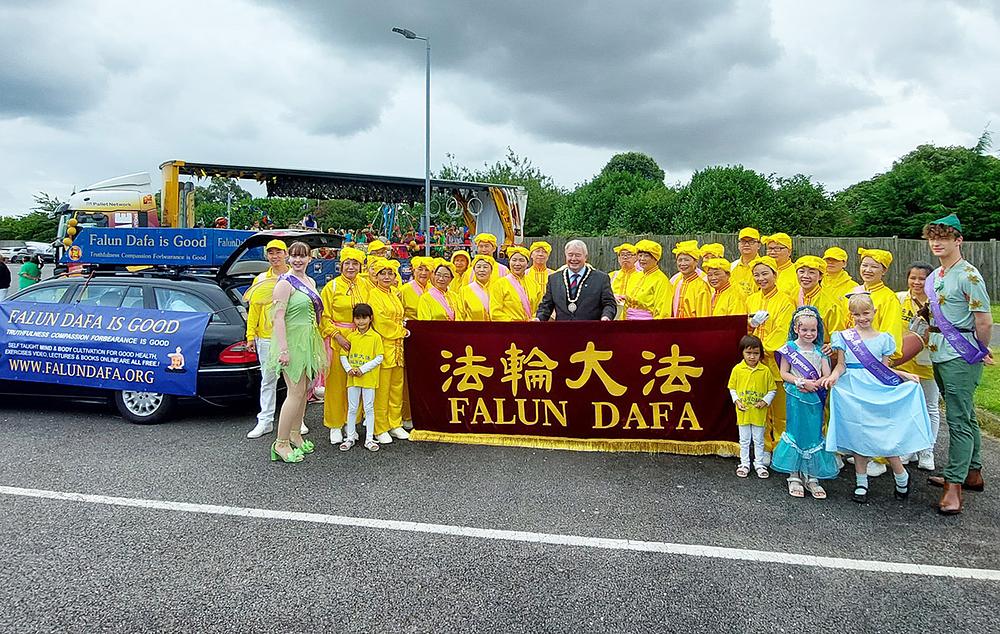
column 798, row 361
column 519, row 289
column 969, row 353
column 299, row 285
column 441, row 299
column 878, row 369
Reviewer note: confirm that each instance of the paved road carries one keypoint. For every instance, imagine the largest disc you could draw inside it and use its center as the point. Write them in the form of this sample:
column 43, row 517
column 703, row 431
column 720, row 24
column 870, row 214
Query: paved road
column 78, row 566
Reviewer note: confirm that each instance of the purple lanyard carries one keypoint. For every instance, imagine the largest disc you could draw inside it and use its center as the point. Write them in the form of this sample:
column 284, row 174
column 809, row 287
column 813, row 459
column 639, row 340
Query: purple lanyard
column 299, row 285
column 970, row 353
column 878, row 369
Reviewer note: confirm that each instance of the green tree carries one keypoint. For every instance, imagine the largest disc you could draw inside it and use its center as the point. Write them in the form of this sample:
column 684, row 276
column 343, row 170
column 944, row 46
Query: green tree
column 37, row 226
column 46, row 203
column 218, row 191
column 805, row 207
column 598, row 206
column 727, row 199
column 636, row 163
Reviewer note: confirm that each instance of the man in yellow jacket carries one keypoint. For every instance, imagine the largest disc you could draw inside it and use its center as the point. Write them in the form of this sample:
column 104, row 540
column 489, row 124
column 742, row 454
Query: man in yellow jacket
column 539, row 272
column 740, row 274
column 779, row 247
column 837, row 281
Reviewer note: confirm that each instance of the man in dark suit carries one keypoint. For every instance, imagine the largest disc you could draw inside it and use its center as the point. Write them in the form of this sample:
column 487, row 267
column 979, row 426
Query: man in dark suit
column 578, row 291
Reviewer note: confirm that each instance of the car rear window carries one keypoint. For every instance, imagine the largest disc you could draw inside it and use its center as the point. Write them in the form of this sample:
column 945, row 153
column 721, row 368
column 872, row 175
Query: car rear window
column 44, row 294
column 111, row 296
column 183, row 301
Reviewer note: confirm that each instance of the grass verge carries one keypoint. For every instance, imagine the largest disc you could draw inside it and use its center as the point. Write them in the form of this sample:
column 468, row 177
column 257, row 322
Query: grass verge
column 987, row 397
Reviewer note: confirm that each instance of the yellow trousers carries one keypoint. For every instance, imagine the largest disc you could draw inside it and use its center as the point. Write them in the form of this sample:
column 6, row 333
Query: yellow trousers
column 389, row 399
column 775, row 425
column 335, row 397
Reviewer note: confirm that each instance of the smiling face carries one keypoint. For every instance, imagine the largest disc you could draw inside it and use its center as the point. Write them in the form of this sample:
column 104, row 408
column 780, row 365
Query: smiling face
column 350, row 268
column 576, row 257
column 716, row 277
column 646, row 261
column 442, row 278
column 483, row 270
column 422, row 274
column 807, row 328
column 764, row 277
column 685, row 264
column 299, row 260
column 808, row 278
column 871, row 271
column 385, row 278
column 518, row 263
column 277, row 258
column 915, row 281
column 863, row 316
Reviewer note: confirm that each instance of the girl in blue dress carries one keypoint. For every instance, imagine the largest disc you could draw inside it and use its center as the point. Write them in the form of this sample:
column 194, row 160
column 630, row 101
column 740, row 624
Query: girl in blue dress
column 875, row 410
column 801, row 451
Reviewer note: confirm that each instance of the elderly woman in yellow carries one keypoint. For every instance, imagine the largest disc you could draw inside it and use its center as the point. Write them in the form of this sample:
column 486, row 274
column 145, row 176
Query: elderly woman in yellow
column 888, row 311
column 388, row 323
column 415, row 288
column 461, row 261
column 340, row 296
column 378, row 249
column 711, row 250
column 779, row 247
column 692, row 296
column 726, row 298
column 486, row 244
column 621, row 278
column 648, row 295
column 770, row 317
column 837, row 281
column 511, row 296
column 474, row 298
column 812, row 292
column 741, row 275
column 539, row 272
column 440, row 303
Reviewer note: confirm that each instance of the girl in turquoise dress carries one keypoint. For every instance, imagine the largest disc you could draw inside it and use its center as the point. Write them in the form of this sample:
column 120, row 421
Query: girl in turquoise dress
column 801, row 451
column 297, row 350
column 874, row 410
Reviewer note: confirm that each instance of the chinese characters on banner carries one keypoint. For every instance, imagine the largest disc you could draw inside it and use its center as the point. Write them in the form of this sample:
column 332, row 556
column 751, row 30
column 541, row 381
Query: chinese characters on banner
column 620, row 386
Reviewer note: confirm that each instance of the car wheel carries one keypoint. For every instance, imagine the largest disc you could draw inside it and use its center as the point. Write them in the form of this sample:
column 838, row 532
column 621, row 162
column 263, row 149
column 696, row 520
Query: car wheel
column 144, row 408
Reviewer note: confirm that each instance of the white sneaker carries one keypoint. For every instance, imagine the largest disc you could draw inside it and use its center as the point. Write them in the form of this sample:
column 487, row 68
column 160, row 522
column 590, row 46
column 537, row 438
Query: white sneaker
column 908, row 458
column 875, row 469
column 260, row 430
column 407, row 425
column 384, row 438
column 925, row 460
column 303, row 430
column 336, row 436
column 399, row 432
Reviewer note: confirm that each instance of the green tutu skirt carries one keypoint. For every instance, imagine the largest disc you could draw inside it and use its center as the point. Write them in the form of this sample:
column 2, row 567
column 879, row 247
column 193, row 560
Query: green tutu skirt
column 306, row 350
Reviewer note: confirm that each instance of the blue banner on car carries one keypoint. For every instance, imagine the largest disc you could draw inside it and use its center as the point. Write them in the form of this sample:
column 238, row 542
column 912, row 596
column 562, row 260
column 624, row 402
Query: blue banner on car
column 169, row 247
column 133, row 349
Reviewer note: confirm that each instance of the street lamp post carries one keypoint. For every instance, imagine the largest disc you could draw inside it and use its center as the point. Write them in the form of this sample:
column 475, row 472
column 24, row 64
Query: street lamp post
column 410, row 35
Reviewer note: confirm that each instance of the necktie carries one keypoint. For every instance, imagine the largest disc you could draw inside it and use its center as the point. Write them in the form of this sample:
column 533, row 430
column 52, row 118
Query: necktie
column 574, row 281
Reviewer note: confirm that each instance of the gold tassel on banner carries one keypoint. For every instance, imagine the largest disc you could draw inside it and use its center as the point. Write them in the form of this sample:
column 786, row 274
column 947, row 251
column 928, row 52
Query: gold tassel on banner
column 721, row 448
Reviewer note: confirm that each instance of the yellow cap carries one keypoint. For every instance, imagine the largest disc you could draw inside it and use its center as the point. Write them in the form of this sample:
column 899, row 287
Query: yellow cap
column 348, row 253
column 714, row 249
column 721, row 264
column 780, row 238
column 276, row 244
column 766, row 260
column 421, row 260
column 882, row 257
column 625, row 246
column 651, row 247
column 812, row 262
column 373, row 261
column 376, row 245
column 439, row 262
column 687, row 247
column 835, row 253
column 511, row 250
column 541, row 244
column 382, row 264
column 749, row 232
column 484, row 258
column 486, row 237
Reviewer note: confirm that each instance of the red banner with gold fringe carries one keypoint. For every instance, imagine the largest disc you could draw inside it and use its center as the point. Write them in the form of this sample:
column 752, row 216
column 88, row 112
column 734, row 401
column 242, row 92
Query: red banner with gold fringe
column 593, row 386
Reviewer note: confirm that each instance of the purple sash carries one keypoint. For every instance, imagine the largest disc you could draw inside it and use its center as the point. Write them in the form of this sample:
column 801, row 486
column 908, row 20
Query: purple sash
column 969, row 353
column 798, row 361
column 299, row 285
column 878, row 369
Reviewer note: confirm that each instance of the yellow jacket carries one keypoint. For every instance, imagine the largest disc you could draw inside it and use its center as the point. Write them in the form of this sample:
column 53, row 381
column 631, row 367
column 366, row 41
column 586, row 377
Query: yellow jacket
column 429, row 309
column 830, row 310
column 340, row 296
column 729, row 300
column 888, row 314
column 505, row 302
column 539, row 280
column 388, row 323
column 650, row 291
column 691, row 297
column 788, row 279
column 621, row 280
column 773, row 332
column 410, row 296
column 839, row 285
column 258, row 298
column 471, row 307
column 741, row 276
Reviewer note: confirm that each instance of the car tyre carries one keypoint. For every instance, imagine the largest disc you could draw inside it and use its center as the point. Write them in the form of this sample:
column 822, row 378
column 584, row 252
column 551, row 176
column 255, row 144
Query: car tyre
column 144, row 408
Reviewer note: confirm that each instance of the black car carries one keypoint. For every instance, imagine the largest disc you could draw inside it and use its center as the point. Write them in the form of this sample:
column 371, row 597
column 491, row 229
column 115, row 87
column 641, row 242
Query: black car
column 228, row 373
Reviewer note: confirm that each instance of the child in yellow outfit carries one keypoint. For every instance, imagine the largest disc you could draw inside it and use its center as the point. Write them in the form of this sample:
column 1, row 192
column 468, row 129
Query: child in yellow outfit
column 752, row 388
column 360, row 363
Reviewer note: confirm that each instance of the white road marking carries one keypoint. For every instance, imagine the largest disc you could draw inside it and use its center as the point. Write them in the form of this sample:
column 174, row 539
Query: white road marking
column 688, row 550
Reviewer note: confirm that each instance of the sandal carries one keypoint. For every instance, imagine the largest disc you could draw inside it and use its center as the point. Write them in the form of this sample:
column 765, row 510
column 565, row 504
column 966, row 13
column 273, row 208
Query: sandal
column 860, row 495
column 371, row 445
column 815, row 489
column 347, row 444
column 795, row 488
column 306, row 447
column 763, row 473
column 742, row 471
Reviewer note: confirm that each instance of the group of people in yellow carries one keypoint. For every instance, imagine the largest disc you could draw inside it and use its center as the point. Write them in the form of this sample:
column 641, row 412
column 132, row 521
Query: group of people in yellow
column 475, row 287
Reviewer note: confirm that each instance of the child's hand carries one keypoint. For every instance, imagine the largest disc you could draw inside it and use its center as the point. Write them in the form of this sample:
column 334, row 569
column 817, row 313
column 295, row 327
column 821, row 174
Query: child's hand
column 827, row 349
column 827, row 382
column 355, row 372
column 910, row 377
column 740, row 406
column 761, row 404
column 810, row 386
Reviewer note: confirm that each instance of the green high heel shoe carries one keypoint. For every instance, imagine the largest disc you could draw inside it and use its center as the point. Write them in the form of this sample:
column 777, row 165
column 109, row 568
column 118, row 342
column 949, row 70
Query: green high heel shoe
column 293, row 456
column 307, row 446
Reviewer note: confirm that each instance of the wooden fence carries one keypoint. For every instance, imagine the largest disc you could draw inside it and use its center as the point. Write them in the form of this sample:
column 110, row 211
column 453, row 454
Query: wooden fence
column 984, row 255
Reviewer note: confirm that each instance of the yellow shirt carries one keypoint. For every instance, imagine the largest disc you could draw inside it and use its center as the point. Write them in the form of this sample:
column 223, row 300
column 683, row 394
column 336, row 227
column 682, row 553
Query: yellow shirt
column 429, row 309
column 410, row 295
column 539, row 279
column 259, row 300
column 622, row 279
column 920, row 364
column 751, row 385
column 505, row 302
column 741, row 276
column 888, row 314
column 650, row 291
column 729, row 300
column 690, row 297
column 458, row 282
column 364, row 348
column 471, row 307
column 773, row 332
column 339, row 296
column 839, row 285
column 388, row 323
column 788, row 279
column 830, row 310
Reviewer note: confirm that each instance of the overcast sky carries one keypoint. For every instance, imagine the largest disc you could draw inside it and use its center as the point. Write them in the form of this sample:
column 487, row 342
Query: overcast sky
column 835, row 90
